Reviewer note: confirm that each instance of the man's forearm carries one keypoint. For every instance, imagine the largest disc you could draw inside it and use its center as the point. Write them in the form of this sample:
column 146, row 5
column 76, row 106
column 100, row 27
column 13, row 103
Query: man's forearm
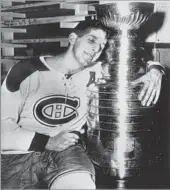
column 13, row 137
column 16, row 138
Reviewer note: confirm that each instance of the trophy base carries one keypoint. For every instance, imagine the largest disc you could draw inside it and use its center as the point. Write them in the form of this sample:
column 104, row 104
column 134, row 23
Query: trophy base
column 149, row 180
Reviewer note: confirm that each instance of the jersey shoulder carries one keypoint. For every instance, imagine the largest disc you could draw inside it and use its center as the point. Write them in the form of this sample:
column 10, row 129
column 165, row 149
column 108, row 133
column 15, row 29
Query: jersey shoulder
column 21, row 70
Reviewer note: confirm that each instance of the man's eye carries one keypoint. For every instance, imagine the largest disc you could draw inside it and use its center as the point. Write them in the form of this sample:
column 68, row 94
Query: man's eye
column 91, row 40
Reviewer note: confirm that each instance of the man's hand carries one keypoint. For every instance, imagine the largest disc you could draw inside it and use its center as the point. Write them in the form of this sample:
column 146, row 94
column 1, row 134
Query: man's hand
column 62, row 141
column 151, row 87
column 67, row 135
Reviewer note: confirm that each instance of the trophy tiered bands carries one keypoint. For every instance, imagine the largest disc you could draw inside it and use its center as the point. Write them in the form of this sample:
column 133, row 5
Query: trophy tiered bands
column 125, row 138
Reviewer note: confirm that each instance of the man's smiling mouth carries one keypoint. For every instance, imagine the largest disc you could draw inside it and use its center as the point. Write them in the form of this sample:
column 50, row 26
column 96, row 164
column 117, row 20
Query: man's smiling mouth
column 89, row 55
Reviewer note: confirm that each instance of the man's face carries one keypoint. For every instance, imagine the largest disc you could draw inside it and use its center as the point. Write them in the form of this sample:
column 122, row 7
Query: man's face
column 88, row 48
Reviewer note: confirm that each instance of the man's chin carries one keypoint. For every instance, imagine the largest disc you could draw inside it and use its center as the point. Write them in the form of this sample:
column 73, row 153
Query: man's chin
column 85, row 63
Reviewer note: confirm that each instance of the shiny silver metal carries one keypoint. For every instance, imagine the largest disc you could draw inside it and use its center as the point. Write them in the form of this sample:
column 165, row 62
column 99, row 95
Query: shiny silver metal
column 124, row 137
column 132, row 14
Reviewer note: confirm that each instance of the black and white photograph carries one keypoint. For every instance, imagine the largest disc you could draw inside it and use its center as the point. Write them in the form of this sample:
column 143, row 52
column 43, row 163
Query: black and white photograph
column 85, row 94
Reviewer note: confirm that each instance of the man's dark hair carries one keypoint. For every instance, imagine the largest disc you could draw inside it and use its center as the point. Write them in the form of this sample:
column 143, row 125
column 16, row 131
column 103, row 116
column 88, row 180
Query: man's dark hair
column 86, row 26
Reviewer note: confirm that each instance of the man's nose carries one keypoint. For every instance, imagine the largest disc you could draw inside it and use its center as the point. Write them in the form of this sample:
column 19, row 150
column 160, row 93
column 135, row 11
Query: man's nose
column 96, row 48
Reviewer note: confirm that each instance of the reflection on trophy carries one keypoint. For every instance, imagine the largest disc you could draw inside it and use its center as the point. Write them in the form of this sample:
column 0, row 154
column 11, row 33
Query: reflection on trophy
column 124, row 137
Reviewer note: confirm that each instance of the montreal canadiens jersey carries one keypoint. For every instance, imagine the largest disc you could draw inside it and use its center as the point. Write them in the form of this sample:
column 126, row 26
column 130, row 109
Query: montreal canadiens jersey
column 38, row 99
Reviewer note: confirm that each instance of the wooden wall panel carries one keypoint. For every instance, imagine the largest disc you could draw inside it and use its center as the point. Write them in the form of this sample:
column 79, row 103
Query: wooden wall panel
column 43, row 26
column 39, row 24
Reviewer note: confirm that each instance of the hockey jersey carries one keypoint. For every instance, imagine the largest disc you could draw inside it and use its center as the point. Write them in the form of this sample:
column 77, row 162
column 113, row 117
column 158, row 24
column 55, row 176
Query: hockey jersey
column 38, row 100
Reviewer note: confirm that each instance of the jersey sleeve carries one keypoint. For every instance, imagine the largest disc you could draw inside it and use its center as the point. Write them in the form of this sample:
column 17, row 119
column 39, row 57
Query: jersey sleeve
column 14, row 92
column 155, row 65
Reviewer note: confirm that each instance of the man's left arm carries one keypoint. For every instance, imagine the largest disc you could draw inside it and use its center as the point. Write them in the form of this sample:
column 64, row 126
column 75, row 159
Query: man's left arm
column 151, row 83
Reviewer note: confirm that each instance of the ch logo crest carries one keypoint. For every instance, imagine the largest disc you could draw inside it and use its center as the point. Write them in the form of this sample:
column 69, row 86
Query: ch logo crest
column 56, row 109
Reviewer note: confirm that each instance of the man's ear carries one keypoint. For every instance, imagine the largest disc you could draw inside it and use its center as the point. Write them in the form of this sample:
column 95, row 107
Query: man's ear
column 72, row 38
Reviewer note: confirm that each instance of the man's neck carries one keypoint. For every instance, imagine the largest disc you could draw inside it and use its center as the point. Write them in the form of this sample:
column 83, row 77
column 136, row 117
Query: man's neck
column 65, row 63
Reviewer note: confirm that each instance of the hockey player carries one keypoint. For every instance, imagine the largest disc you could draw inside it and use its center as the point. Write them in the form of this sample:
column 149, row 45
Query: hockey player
column 43, row 101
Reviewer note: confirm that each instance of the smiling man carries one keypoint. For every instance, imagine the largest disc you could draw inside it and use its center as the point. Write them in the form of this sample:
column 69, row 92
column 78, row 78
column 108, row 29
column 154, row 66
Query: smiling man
column 44, row 111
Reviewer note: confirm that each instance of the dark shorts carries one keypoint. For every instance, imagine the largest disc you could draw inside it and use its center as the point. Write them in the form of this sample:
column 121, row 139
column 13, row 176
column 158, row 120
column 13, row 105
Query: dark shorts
column 39, row 169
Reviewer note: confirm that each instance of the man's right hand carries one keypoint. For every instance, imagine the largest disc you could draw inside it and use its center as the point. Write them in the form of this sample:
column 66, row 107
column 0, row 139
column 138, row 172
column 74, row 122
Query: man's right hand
column 63, row 140
column 67, row 135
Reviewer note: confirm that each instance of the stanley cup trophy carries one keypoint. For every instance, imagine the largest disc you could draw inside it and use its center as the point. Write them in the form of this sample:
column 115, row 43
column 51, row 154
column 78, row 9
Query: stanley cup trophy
column 124, row 138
